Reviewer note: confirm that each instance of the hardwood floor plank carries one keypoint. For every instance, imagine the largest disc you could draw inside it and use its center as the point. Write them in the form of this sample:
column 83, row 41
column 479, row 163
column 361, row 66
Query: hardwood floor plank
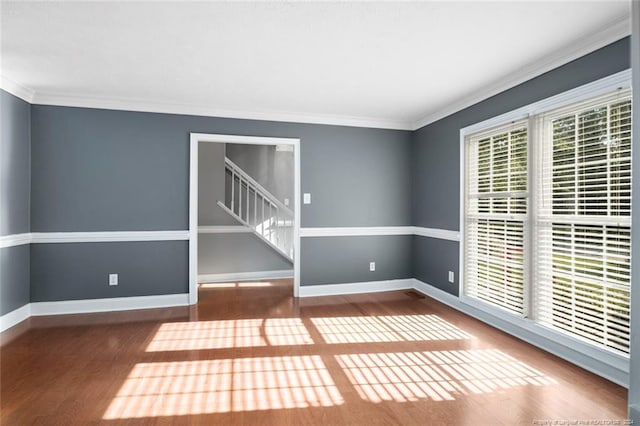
column 249, row 354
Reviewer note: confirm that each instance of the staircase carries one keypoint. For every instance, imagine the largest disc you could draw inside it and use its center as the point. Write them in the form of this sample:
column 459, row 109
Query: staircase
column 256, row 208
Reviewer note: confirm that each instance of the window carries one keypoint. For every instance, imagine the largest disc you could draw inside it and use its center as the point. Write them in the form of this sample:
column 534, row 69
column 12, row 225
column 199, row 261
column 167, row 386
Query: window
column 496, row 214
column 547, row 216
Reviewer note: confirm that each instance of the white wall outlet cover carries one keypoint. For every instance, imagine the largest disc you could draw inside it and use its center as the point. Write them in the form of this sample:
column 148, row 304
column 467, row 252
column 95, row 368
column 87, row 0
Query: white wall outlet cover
column 113, row 279
column 451, row 277
column 306, row 197
column 372, row 266
column 286, row 201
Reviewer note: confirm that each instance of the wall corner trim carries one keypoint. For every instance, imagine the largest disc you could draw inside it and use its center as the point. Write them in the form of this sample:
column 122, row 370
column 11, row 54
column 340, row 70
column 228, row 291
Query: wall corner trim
column 634, row 414
column 16, row 89
column 15, row 317
column 15, row 240
column 443, row 234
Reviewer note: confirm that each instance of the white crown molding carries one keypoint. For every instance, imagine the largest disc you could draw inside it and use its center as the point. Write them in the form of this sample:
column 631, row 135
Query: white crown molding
column 245, row 276
column 231, row 229
column 17, row 89
column 616, row 30
column 610, row 33
column 15, row 317
column 109, row 236
column 355, row 288
column 123, row 104
column 112, row 304
column 15, row 240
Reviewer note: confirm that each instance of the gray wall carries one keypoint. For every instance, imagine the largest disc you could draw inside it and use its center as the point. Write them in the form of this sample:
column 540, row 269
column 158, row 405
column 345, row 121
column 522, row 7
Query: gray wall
column 211, row 185
column 100, row 170
column 272, row 169
column 15, row 173
column 634, row 376
column 346, row 259
column 104, row 170
column 435, row 154
column 15, row 170
column 14, row 278
column 72, row 271
column 227, row 253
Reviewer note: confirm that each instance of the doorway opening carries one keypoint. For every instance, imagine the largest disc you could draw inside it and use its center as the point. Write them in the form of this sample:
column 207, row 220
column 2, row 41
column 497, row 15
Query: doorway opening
column 234, row 204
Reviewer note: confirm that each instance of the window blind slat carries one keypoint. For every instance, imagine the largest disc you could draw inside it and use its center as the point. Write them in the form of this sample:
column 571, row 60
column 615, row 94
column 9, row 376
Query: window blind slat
column 495, row 217
column 581, row 248
column 583, row 234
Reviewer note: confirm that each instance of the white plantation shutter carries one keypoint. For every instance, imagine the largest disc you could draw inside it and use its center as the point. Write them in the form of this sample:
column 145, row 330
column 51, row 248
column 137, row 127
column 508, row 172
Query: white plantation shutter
column 583, row 227
column 547, row 219
column 495, row 216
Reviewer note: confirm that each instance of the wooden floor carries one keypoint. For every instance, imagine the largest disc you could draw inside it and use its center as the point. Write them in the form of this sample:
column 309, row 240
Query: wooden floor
column 251, row 354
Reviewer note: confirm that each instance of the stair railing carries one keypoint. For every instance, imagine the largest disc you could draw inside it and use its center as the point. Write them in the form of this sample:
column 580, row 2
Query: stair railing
column 255, row 207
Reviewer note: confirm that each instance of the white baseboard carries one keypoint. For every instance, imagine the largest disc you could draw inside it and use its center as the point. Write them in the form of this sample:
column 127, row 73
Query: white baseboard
column 15, row 317
column 108, row 304
column 355, row 288
column 599, row 362
column 634, row 414
column 245, row 276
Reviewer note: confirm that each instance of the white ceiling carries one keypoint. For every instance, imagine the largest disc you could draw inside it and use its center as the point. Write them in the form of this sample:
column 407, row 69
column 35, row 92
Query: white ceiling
column 393, row 65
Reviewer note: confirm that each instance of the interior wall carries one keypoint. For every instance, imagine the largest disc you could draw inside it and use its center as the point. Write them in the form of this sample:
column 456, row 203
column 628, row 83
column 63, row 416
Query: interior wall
column 230, row 252
column 435, row 156
column 238, row 252
column 15, row 173
column 211, row 185
column 106, row 170
column 272, row 169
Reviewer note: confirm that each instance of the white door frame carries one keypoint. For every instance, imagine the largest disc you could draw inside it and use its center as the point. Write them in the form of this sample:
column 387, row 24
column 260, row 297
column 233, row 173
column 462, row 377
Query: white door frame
column 195, row 139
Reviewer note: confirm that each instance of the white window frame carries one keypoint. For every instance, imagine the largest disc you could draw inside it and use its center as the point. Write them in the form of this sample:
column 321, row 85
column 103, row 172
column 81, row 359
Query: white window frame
column 543, row 336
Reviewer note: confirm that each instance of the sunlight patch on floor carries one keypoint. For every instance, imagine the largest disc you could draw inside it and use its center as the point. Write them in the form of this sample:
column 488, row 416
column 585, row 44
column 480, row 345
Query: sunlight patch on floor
column 224, row 385
column 436, row 375
column 185, row 336
column 387, row 328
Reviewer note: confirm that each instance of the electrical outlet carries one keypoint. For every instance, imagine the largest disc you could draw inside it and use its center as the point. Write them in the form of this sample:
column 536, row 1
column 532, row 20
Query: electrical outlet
column 372, row 266
column 451, row 277
column 113, row 279
column 306, row 198
column 286, row 202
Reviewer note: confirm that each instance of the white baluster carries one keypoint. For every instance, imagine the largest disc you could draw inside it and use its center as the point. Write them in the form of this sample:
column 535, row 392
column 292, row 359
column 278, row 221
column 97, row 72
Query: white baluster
column 248, row 201
column 277, row 229
column 240, row 197
column 233, row 184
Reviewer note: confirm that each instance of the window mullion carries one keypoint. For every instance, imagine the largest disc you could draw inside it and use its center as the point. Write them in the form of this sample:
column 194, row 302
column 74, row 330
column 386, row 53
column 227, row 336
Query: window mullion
column 530, row 217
